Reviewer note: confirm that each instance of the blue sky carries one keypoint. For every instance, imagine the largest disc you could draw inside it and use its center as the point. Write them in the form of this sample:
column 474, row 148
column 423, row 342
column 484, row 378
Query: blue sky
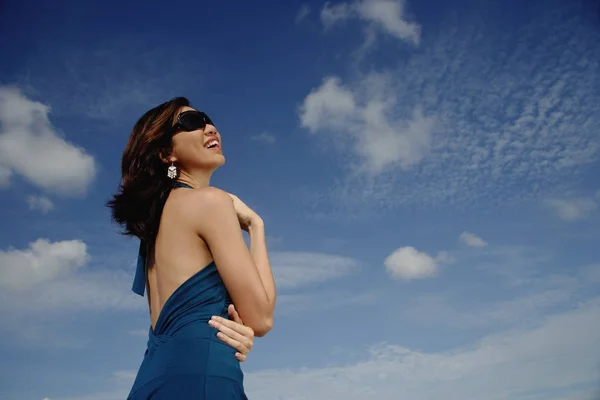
column 427, row 171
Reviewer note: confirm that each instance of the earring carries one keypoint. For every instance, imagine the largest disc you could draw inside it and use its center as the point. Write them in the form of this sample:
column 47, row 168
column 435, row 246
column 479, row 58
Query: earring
column 172, row 171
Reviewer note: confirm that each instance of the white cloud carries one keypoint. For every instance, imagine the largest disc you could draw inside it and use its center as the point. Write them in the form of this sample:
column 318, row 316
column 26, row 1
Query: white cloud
column 472, row 240
column 30, row 146
column 572, row 209
column 302, row 13
column 265, row 137
column 40, row 203
column 41, row 262
column 363, row 118
column 512, row 365
column 387, row 16
column 408, row 263
column 54, row 276
column 296, row 269
column 534, row 126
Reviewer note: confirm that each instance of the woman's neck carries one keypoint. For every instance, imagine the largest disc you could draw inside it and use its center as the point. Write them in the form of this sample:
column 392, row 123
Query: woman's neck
column 197, row 180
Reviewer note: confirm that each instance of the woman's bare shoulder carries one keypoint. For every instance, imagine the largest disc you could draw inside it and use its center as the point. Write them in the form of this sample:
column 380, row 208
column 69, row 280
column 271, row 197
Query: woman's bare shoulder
column 203, row 203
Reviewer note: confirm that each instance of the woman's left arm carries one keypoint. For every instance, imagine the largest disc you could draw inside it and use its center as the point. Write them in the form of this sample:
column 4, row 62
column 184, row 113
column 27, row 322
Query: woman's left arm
column 234, row 333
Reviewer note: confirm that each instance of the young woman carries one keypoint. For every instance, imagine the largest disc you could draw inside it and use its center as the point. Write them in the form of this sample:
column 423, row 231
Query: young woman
column 193, row 260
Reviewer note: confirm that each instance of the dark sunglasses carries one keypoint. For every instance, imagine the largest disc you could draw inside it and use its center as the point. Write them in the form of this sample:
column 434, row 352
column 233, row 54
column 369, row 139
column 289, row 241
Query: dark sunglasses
column 191, row 121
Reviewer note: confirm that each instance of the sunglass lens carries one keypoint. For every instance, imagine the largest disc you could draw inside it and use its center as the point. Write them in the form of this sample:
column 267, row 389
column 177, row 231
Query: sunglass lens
column 194, row 120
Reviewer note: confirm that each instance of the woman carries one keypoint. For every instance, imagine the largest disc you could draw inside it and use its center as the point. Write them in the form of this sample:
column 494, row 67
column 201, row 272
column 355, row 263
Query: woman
column 193, row 260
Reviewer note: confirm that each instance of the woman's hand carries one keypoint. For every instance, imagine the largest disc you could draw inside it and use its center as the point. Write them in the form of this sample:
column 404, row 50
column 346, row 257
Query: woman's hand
column 245, row 214
column 234, row 333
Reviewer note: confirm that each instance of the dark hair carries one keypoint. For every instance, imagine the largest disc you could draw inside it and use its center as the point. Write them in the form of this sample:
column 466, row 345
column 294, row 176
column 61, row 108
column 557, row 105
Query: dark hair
column 138, row 204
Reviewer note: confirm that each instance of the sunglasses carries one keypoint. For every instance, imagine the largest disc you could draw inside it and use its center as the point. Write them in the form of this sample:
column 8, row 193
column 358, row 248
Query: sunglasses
column 191, row 121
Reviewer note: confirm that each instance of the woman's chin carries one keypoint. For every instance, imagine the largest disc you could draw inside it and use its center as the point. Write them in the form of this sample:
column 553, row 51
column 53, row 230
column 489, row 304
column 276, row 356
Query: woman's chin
column 217, row 162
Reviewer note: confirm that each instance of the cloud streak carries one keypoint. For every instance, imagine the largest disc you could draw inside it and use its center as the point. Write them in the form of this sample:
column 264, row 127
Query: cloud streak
column 299, row 269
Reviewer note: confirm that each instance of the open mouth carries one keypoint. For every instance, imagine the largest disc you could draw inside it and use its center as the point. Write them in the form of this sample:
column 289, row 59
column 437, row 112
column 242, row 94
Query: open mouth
column 212, row 144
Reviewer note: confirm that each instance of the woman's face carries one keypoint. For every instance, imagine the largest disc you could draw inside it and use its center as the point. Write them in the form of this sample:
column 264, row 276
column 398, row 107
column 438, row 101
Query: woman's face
column 200, row 149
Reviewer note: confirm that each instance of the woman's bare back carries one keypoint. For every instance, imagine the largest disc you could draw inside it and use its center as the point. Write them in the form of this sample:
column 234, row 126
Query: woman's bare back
column 178, row 254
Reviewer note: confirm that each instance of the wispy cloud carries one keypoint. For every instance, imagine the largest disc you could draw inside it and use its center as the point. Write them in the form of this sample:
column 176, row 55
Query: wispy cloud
column 386, row 16
column 35, row 317
column 523, row 286
column 302, row 13
column 40, row 203
column 139, row 332
column 472, row 240
column 31, row 146
column 48, row 280
column 111, row 80
column 265, row 137
column 514, row 364
column 572, row 209
column 511, row 127
column 5, row 175
column 297, row 269
column 125, row 375
column 92, row 290
column 532, row 304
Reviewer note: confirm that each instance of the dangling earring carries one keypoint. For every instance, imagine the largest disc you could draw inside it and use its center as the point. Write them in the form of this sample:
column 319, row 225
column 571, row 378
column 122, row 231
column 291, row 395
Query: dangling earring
column 172, row 171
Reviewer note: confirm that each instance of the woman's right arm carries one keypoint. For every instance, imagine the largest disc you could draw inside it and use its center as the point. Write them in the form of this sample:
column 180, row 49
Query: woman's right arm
column 215, row 220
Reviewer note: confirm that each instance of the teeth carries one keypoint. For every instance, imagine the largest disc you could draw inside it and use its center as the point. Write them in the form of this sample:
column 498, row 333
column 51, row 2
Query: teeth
column 212, row 143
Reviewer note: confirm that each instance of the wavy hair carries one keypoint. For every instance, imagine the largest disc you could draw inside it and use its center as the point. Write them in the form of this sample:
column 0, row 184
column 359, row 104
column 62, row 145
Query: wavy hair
column 138, row 204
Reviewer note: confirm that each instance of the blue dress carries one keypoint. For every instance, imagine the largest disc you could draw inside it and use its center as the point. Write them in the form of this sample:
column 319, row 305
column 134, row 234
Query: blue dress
column 184, row 359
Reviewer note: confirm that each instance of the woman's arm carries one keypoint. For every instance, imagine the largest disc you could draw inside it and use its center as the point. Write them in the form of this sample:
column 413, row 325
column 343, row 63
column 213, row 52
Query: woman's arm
column 215, row 220
column 258, row 249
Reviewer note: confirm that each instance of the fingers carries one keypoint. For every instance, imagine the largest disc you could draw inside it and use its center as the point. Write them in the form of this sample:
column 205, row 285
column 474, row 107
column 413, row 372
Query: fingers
column 233, row 314
column 241, row 357
column 240, row 337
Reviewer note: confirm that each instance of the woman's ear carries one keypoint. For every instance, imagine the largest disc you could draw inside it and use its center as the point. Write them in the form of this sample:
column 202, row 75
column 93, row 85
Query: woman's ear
column 167, row 158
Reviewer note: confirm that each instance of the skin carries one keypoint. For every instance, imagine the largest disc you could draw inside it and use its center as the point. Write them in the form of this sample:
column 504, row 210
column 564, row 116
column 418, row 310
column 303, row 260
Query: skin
column 234, row 333
column 202, row 225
